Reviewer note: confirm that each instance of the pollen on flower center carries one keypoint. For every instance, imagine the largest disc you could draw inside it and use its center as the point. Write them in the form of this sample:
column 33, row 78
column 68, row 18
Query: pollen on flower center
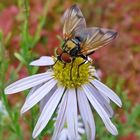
column 63, row 71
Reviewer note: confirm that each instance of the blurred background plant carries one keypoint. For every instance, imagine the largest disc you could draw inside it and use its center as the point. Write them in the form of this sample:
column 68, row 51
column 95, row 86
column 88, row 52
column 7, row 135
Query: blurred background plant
column 30, row 29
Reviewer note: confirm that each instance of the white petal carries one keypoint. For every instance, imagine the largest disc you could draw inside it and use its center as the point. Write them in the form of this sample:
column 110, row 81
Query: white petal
column 96, row 75
column 63, row 135
column 80, row 123
column 72, row 118
column 43, row 61
column 109, row 125
column 93, row 72
column 28, row 82
column 107, row 91
column 105, row 97
column 33, row 90
column 106, row 106
column 38, row 95
column 86, row 114
column 48, row 111
column 60, row 120
column 81, row 130
column 46, row 98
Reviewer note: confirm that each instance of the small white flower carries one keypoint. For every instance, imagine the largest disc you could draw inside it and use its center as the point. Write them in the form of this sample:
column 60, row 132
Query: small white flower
column 54, row 88
column 64, row 135
column 3, row 109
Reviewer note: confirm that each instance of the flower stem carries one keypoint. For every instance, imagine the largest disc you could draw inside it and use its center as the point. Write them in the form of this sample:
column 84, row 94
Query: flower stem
column 3, row 69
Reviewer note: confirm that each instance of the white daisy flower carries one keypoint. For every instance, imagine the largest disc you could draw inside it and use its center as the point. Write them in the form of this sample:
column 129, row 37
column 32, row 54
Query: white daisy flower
column 74, row 96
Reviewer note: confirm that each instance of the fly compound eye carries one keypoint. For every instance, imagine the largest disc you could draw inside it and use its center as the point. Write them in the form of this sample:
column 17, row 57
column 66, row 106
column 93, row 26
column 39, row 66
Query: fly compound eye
column 59, row 51
column 66, row 58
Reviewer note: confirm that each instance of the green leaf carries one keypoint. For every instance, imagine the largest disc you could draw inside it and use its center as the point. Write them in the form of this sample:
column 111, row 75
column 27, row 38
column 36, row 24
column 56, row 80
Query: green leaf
column 20, row 58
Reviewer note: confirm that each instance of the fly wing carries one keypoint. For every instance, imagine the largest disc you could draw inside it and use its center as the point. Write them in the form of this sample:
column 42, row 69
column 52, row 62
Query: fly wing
column 73, row 21
column 95, row 38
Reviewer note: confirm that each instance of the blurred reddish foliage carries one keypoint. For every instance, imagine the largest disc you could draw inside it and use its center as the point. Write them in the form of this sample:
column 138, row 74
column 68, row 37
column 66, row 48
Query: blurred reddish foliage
column 120, row 60
column 7, row 20
column 131, row 136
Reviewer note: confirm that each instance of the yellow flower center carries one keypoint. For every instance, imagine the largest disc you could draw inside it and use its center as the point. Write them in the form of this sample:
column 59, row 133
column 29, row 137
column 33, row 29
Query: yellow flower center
column 72, row 75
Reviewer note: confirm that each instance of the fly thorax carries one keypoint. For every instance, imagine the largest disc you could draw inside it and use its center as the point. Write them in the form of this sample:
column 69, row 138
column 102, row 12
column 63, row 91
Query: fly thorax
column 69, row 46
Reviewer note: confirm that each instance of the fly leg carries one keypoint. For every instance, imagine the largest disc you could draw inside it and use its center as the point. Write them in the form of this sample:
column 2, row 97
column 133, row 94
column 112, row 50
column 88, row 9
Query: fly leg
column 55, row 62
column 64, row 65
column 85, row 60
column 71, row 68
column 58, row 59
column 78, row 73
